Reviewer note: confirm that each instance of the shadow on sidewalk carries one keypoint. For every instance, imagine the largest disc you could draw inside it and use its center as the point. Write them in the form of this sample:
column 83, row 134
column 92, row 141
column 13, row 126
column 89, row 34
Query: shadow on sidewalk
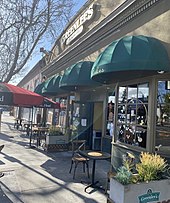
column 4, row 190
column 59, row 168
column 60, row 172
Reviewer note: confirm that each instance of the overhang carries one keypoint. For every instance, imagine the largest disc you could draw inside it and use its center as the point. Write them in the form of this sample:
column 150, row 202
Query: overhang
column 129, row 58
column 78, row 77
column 39, row 88
column 51, row 86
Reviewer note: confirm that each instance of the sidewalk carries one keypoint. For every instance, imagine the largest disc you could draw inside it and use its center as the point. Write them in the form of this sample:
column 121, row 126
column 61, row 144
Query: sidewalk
column 35, row 176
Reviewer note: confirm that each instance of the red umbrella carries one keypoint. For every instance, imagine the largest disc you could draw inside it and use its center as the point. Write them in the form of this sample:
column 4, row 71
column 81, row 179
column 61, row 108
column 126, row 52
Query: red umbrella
column 16, row 96
column 48, row 103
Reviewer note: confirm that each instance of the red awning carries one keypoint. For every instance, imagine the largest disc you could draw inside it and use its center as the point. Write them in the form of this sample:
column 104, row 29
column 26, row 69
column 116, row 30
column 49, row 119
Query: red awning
column 16, row 96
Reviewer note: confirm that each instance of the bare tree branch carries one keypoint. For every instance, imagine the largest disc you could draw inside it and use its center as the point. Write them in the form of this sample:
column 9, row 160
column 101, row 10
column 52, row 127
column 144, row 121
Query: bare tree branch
column 23, row 25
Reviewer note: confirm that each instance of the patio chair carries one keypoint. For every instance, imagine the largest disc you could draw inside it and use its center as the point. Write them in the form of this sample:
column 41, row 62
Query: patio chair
column 77, row 158
column 1, row 147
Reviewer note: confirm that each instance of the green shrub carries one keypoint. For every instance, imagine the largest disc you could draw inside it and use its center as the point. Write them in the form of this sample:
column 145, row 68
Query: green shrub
column 55, row 131
column 151, row 167
column 124, row 176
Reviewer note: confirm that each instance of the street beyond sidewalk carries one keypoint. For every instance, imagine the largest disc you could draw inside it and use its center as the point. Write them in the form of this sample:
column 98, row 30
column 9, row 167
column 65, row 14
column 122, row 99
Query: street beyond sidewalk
column 35, row 176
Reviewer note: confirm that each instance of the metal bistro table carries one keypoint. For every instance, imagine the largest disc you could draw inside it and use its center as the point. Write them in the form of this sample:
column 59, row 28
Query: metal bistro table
column 94, row 155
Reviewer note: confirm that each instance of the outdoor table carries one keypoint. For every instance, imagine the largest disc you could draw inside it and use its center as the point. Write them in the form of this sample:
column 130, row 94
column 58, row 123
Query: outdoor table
column 27, row 126
column 18, row 123
column 39, row 131
column 94, row 155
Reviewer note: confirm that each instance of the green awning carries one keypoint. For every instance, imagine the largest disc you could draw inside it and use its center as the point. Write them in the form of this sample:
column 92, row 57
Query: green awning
column 77, row 77
column 39, row 88
column 51, row 86
column 130, row 57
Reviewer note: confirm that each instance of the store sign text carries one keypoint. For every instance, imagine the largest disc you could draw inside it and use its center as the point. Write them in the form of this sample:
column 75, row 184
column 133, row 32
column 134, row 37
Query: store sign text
column 151, row 196
column 1, row 98
column 77, row 27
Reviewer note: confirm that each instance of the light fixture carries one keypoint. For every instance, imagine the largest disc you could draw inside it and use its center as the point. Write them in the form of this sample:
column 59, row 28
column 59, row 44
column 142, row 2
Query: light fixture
column 44, row 51
column 160, row 71
column 44, row 78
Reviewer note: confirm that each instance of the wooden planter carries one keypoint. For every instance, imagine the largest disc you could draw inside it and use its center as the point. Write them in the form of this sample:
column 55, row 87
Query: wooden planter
column 151, row 192
column 52, row 139
column 56, row 143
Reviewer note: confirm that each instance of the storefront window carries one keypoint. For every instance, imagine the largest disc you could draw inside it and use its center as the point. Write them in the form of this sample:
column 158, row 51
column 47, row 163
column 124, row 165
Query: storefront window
column 63, row 114
column 133, row 114
column 163, row 116
column 75, row 120
column 110, row 114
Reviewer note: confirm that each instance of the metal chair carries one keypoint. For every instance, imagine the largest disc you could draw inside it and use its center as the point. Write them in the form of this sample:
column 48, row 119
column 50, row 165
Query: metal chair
column 77, row 158
column 1, row 147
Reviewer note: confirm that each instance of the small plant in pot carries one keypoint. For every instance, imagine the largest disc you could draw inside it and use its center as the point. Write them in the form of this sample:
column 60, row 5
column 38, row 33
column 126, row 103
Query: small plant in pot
column 55, row 131
column 150, row 167
column 125, row 174
column 141, row 181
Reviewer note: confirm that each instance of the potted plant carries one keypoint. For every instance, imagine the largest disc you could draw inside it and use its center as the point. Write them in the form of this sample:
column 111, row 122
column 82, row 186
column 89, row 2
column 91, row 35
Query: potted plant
column 55, row 136
column 141, row 182
column 55, row 131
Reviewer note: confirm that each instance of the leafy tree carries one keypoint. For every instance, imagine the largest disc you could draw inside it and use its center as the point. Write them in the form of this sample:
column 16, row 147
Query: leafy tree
column 24, row 24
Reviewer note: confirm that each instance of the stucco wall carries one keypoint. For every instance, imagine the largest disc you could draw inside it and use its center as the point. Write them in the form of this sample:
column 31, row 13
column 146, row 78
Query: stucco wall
column 158, row 28
column 101, row 10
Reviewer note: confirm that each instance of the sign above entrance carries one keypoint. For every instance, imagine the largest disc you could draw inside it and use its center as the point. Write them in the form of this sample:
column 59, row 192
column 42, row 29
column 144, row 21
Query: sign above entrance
column 77, row 27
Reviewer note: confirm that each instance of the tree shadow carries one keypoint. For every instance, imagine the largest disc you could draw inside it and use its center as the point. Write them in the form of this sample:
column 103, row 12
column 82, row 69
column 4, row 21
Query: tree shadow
column 59, row 168
column 60, row 172
column 4, row 190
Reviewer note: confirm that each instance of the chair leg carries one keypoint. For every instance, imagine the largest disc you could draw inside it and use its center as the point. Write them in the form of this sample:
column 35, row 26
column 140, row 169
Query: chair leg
column 71, row 166
column 75, row 167
column 87, row 166
column 84, row 167
column 76, row 164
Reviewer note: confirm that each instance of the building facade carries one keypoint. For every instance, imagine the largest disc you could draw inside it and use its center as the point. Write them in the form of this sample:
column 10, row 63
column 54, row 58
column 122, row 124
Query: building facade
column 129, row 108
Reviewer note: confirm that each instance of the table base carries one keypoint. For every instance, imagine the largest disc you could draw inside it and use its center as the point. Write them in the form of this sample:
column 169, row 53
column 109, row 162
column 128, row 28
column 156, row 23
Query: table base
column 92, row 185
column 1, row 174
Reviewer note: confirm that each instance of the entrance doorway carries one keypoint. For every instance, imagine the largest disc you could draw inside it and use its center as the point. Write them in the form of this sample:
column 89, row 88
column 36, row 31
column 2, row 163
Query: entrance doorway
column 86, row 122
column 97, row 125
column 82, row 121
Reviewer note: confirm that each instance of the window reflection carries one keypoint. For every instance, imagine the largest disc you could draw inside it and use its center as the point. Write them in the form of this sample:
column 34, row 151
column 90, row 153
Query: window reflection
column 132, row 114
column 62, row 114
column 110, row 113
column 163, row 116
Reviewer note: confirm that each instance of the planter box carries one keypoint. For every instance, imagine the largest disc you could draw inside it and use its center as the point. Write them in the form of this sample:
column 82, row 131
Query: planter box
column 56, row 139
column 56, row 143
column 151, row 192
column 56, row 147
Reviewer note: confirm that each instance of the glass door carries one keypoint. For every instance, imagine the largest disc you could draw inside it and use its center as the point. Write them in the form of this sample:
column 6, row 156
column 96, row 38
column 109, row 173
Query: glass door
column 82, row 121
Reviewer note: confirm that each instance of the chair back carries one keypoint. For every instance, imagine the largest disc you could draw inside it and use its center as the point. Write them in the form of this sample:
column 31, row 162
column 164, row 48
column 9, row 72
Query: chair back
column 78, row 145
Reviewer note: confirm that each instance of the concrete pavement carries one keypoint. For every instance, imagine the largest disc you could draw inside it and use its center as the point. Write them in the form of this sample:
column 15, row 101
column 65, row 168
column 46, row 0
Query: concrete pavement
column 35, row 176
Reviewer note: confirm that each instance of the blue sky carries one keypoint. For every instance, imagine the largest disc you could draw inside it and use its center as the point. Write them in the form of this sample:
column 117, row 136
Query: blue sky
column 79, row 4
column 37, row 56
